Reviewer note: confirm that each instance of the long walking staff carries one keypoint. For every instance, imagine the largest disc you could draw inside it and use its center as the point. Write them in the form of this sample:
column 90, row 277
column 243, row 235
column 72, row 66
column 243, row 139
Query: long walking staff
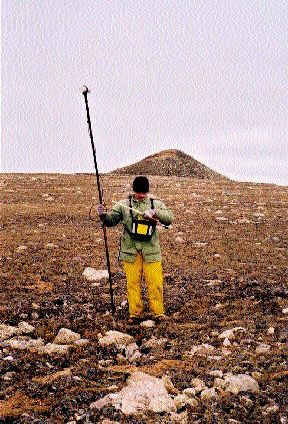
column 85, row 92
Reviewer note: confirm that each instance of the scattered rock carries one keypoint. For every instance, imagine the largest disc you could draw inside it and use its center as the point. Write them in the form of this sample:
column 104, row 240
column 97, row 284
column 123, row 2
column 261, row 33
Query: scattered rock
column 198, row 385
column 226, row 342
column 201, row 350
column 241, row 383
column 221, row 219
column 200, row 244
column 231, row 333
column 24, row 343
column 8, row 358
column 190, row 392
column 285, row 311
column 21, row 248
column 271, row 330
column 82, row 342
column 25, row 328
column 216, row 373
column 7, row 331
column 181, row 400
column 263, row 348
column 130, row 351
column 209, row 394
column 92, row 274
column 8, row 375
column 115, row 338
column 148, row 324
column 219, row 382
column 155, row 343
column 66, row 336
column 142, row 393
column 51, row 348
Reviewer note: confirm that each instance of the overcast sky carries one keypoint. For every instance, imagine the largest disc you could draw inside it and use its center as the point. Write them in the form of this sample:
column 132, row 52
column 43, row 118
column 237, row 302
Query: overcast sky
column 206, row 77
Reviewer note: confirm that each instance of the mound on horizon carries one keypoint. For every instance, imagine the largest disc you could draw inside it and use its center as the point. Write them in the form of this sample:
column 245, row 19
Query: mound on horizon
column 170, row 162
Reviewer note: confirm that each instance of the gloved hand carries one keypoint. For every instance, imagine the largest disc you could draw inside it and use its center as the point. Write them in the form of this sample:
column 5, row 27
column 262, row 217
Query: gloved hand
column 150, row 214
column 102, row 212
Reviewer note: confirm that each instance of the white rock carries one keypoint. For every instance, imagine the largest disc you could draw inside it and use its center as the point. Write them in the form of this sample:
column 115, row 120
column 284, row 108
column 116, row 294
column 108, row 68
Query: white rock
column 198, row 385
column 7, row 331
column 21, row 248
column 231, row 333
column 190, row 392
column 142, row 393
column 148, row 324
column 243, row 221
column 180, row 401
column 8, row 375
column 216, row 373
column 221, row 219
column 66, row 336
column 115, row 338
column 92, row 274
column 209, row 394
column 241, row 383
column 179, row 239
column 82, row 342
column 285, row 311
column 214, row 357
column 51, row 245
column 226, row 342
column 263, row 348
column 51, row 348
column 155, row 343
column 25, row 328
column 200, row 244
column 201, row 350
column 24, row 343
column 271, row 330
column 8, row 358
column 219, row 382
column 130, row 350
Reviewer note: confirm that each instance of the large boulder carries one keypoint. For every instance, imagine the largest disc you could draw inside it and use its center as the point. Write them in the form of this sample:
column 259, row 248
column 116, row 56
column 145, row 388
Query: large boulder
column 142, row 393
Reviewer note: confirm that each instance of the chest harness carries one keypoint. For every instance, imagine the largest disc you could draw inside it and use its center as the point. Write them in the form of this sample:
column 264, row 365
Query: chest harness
column 142, row 229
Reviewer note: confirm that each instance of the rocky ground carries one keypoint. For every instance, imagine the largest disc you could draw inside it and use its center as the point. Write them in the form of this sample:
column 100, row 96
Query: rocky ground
column 221, row 357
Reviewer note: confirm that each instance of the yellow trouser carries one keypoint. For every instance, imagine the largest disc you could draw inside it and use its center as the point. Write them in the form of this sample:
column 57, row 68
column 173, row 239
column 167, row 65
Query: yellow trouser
column 154, row 281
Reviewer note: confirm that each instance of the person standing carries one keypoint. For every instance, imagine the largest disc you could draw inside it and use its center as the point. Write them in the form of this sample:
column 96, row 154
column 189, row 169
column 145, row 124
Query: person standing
column 140, row 249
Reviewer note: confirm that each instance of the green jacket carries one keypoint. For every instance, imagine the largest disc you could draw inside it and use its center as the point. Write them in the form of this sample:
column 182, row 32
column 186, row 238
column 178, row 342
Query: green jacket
column 129, row 247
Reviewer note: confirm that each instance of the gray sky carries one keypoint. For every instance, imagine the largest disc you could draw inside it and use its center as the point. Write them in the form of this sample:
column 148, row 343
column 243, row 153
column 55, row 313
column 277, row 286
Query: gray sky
column 205, row 77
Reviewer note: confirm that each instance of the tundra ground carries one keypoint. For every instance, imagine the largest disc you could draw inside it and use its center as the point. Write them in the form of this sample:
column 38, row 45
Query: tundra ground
column 225, row 266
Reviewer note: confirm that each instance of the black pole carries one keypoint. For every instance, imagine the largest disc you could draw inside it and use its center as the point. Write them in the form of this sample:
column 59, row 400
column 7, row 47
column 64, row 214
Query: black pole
column 85, row 92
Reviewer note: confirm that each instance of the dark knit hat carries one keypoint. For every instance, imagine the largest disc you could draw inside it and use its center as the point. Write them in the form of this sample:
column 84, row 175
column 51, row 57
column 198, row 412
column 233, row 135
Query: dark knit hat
column 141, row 184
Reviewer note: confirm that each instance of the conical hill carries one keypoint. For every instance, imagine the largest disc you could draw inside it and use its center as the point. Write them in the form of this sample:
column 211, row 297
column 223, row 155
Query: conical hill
column 170, row 162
